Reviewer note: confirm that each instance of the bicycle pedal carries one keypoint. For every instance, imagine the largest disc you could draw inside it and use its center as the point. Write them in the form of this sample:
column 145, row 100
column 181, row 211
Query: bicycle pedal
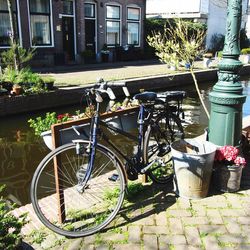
column 114, row 177
column 164, row 151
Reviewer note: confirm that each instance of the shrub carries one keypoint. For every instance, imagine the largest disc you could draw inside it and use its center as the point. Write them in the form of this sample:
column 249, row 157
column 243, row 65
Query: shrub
column 10, row 226
column 245, row 51
column 7, row 57
column 40, row 124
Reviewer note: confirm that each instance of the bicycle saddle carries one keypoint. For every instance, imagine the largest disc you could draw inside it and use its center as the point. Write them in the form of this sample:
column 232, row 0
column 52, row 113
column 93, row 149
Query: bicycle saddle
column 146, row 96
column 172, row 95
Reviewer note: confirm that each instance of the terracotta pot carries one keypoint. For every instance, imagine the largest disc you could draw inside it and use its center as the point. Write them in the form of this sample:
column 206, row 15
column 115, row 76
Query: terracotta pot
column 17, row 90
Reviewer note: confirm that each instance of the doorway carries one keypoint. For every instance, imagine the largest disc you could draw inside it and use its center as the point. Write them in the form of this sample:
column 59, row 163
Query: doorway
column 90, row 43
column 68, row 38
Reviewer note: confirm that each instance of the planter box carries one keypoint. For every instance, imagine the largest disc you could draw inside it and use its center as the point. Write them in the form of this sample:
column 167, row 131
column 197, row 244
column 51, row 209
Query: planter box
column 64, row 133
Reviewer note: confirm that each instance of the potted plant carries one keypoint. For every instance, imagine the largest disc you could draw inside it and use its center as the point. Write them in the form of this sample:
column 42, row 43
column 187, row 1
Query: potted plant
column 42, row 125
column 207, row 60
column 105, row 53
column 48, row 82
column 228, row 168
column 245, row 55
column 17, row 89
column 88, row 56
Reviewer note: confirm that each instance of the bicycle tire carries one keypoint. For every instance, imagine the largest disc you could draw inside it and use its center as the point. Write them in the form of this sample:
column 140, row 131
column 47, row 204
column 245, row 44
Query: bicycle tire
column 158, row 137
column 86, row 212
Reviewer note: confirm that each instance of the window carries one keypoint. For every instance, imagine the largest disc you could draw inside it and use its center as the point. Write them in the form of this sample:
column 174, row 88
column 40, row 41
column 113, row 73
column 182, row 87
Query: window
column 40, row 25
column 113, row 24
column 133, row 24
column 5, row 28
column 68, row 7
column 89, row 10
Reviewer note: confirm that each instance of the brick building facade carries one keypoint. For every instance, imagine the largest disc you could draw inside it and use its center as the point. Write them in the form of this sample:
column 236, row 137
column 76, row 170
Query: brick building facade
column 64, row 30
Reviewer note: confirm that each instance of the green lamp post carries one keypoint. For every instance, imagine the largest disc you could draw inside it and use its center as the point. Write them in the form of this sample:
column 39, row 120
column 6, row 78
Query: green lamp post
column 226, row 98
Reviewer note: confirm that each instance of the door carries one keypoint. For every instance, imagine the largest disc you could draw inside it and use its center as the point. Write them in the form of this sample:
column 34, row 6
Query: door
column 68, row 38
column 90, row 35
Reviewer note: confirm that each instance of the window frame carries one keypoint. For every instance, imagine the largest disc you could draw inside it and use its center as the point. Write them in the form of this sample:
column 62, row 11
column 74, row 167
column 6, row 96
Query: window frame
column 18, row 25
column 50, row 15
column 117, row 20
column 134, row 21
column 90, row 17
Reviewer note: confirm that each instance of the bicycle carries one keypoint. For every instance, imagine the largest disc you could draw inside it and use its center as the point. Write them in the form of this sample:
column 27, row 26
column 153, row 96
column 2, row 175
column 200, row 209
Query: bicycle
column 87, row 181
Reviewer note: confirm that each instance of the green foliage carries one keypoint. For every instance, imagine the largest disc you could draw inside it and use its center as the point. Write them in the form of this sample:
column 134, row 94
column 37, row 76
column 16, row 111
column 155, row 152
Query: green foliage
column 48, row 79
column 24, row 56
column 245, row 51
column 38, row 236
column 41, row 124
column 180, row 42
column 10, row 226
column 220, row 54
column 133, row 189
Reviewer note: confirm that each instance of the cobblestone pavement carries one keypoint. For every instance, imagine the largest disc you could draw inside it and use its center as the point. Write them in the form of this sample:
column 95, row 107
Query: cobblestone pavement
column 157, row 219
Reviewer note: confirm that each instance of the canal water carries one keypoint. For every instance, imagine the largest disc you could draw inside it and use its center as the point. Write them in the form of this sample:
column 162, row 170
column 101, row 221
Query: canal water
column 21, row 151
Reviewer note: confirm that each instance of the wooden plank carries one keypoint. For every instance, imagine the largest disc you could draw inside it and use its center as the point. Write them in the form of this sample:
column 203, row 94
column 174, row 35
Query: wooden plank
column 68, row 124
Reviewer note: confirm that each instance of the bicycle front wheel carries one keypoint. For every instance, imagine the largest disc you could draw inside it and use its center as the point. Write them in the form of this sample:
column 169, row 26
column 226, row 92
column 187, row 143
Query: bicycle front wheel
column 64, row 207
column 157, row 151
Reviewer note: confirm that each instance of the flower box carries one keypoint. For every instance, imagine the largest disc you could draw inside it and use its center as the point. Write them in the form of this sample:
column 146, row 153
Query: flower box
column 64, row 133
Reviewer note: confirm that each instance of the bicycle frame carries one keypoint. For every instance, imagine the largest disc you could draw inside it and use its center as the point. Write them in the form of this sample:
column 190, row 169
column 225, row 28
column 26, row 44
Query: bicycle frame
column 95, row 130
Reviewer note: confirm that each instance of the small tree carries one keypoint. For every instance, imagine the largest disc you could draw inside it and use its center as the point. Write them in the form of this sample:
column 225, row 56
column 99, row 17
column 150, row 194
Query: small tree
column 24, row 55
column 182, row 41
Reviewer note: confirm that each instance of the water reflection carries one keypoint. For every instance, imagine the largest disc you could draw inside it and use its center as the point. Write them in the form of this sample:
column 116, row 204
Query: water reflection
column 21, row 151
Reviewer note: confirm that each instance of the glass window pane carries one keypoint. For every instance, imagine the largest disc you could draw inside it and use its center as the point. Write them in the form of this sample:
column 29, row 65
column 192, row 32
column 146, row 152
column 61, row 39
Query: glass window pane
column 40, row 30
column 113, row 12
column 4, row 6
column 133, row 33
column 113, row 33
column 68, row 7
column 89, row 10
column 40, row 6
column 5, row 30
column 133, row 14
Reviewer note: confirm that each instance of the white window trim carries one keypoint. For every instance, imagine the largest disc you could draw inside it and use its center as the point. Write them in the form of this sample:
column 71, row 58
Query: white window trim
column 114, row 20
column 19, row 27
column 134, row 21
column 74, row 21
column 95, row 18
column 51, row 28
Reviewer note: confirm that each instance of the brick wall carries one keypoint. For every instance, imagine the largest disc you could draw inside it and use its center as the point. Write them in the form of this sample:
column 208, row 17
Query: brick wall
column 57, row 6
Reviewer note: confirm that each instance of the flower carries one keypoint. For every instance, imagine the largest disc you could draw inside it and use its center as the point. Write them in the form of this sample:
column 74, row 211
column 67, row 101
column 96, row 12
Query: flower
column 229, row 155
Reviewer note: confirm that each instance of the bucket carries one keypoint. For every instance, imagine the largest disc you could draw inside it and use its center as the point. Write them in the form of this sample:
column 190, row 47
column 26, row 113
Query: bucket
column 193, row 163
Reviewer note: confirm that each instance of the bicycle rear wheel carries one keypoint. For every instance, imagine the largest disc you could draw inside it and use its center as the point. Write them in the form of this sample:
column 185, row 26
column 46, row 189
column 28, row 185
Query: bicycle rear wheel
column 84, row 211
column 158, row 138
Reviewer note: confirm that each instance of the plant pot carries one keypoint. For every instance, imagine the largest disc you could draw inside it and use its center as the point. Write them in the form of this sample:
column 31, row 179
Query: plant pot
column 227, row 177
column 207, row 62
column 49, row 85
column 105, row 57
column 66, row 135
column 47, row 138
column 192, row 168
column 17, row 90
column 3, row 92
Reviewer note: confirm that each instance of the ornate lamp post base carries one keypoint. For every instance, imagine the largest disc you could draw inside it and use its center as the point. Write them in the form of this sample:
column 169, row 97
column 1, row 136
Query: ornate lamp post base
column 226, row 98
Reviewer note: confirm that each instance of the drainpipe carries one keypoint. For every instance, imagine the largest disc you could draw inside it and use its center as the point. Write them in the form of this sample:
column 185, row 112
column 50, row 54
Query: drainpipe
column 226, row 98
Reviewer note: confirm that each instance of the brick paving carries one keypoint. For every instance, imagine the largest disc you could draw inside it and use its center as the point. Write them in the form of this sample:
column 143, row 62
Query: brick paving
column 156, row 219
